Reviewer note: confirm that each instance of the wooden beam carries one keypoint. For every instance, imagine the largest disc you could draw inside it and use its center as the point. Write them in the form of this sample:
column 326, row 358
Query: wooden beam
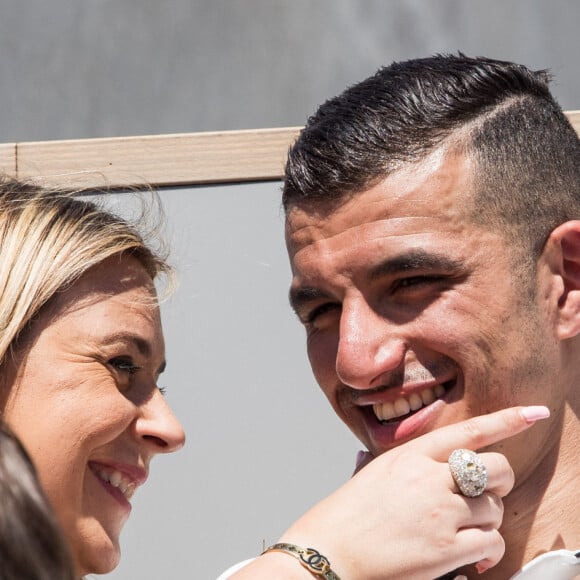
column 158, row 160
column 574, row 117
column 8, row 158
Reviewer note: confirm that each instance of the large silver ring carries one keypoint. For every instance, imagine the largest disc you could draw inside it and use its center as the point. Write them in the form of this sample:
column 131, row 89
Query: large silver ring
column 468, row 471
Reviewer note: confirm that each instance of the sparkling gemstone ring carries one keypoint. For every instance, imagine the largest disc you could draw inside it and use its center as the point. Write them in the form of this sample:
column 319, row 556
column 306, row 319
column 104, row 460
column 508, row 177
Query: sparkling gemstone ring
column 468, row 471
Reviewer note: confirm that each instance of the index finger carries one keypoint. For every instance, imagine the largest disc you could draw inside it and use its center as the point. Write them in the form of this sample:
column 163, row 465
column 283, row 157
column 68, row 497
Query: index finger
column 479, row 431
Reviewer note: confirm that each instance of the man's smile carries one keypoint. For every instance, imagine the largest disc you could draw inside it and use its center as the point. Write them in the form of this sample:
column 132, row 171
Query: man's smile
column 393, row 415
column 404, row 406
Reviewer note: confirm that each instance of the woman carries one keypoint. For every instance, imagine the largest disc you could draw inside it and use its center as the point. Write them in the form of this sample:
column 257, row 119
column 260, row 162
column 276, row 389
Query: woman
column 81, row 351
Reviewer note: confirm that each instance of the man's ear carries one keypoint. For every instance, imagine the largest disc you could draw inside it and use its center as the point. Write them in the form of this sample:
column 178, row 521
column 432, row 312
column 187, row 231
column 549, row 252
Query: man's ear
column 564, row 248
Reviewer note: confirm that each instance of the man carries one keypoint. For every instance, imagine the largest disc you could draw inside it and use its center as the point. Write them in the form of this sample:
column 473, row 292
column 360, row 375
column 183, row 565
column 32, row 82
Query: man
column 432, row 227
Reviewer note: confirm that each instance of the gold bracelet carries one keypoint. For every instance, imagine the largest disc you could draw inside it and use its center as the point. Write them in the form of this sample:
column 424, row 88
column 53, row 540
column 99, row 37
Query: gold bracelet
column 310, row 558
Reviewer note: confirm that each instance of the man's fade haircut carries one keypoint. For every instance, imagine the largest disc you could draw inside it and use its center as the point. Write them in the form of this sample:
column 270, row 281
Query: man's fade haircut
column 526, row 153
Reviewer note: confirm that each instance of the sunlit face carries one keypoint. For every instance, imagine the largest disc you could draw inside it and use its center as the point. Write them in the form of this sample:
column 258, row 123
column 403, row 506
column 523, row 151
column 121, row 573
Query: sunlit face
column 83, row 397
column 415, row 317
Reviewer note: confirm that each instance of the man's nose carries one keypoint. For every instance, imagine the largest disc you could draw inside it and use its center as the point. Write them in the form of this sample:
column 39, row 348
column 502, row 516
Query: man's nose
column 370, row 347
column 158, row 427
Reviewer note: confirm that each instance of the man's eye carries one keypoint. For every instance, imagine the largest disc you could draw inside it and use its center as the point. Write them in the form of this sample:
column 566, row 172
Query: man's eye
column 125, row 365
column 321, row 310
column 415, row 281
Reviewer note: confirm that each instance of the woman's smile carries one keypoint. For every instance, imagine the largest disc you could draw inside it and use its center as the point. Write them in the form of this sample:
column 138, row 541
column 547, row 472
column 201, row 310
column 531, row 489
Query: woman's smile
column 92, row 364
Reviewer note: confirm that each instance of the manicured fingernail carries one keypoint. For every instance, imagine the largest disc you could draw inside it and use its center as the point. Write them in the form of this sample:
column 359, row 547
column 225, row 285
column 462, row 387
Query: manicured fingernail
column 462, row 577
column 534, row 413
column 359, row 457
column 481, row 568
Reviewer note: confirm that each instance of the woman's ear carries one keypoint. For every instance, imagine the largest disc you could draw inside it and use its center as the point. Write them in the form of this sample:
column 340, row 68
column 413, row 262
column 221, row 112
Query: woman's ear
column 564, row 247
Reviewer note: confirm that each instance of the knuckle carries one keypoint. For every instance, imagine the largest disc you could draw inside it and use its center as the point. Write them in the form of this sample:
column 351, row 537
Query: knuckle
column 497, row 509
column 493, row 548
column 502, row 463
column 497, row 545
column 472, row 430
column 500, row 472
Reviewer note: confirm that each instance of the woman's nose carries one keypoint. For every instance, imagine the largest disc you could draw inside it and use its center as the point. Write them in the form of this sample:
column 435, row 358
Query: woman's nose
column 159, row 427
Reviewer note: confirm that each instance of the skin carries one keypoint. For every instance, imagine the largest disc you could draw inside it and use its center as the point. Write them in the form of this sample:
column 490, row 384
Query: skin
column 83, row 396
column 399, row 290
column 354, row 527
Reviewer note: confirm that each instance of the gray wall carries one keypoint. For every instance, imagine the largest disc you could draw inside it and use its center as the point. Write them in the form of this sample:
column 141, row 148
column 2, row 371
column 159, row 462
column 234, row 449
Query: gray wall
column 102, row 68
column 262, row 445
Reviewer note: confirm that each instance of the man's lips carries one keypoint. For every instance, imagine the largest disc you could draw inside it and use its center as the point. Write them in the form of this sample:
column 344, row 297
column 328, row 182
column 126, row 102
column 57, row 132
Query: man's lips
column 404, row 406
column 380, row 434
column 392, row 406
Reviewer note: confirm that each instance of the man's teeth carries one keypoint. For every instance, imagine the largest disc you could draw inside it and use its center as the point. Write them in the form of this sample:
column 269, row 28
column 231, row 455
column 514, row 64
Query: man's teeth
column 403, row 406
column 118, row 480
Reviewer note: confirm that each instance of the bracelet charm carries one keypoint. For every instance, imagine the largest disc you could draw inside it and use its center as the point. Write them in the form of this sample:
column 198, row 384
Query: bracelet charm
column 310, row 558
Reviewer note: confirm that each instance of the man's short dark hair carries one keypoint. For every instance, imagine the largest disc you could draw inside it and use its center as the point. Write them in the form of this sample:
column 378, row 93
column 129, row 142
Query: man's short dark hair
column 526, row 153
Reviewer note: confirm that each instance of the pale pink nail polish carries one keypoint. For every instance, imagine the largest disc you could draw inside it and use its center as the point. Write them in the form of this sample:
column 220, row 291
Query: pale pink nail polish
column 534, row 413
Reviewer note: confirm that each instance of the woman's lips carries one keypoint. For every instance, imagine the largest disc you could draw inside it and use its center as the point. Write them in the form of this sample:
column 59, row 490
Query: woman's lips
column 120, row 482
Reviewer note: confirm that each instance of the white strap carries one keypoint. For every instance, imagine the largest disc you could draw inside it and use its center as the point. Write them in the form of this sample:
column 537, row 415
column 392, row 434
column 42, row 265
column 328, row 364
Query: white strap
column 556, row 565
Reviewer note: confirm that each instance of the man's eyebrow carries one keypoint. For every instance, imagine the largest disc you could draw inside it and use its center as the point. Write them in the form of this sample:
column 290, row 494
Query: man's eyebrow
column 298, row 297
column 411, row 261
column 415, row 260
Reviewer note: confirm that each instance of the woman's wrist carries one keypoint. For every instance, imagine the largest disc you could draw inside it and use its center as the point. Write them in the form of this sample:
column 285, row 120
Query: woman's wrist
column 309, row 558
column 323, row 545
column 274, row 565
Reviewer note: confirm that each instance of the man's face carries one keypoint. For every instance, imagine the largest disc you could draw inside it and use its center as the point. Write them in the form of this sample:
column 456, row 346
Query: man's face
column 415, row 316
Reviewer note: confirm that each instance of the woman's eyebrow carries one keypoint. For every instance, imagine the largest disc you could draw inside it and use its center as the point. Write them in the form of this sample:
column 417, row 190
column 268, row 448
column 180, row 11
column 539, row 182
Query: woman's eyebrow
column 142, row 345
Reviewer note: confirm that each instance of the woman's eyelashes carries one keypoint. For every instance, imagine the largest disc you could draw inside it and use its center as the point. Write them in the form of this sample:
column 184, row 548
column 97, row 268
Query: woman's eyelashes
column 124, row 364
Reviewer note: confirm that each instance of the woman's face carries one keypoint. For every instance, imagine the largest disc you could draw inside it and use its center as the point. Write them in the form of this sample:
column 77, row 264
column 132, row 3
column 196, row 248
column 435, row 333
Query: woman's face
column 83, row 397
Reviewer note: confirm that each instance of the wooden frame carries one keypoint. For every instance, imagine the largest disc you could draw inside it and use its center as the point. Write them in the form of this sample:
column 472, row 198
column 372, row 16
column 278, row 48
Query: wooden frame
column 158, row 160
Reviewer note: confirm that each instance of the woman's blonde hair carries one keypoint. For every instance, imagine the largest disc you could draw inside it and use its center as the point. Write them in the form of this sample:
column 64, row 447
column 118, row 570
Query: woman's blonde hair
column 48, row 239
